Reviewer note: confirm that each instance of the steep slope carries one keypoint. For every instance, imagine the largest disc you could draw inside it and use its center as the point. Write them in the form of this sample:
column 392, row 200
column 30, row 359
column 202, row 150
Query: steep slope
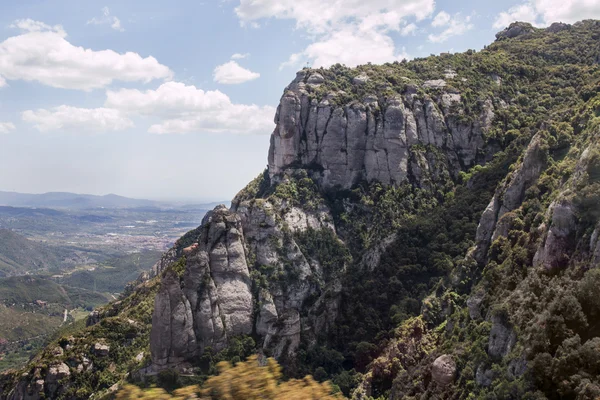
column 19, row 255
column 424, row 230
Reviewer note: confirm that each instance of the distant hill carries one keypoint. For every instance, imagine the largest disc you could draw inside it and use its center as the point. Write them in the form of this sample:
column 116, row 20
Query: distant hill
column 113, row 275
column 19, row 255
column 71, row 200
column 32, row 309
column 28, row 289
column 85, row 201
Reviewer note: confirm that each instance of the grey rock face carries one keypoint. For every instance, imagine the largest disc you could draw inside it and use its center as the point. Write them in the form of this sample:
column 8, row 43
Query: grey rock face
column 212, row 301
column 360, row 79
column 56, row 373
column 558, row 27
column 508, row 197
column 484, row 377
column 101, row 350
column 563, row 224
column 435, row 84
column 373, row 139
column 515, row 29
column 474, row 304
column 502, row 337
column 215, row 302
column 443, row 370
column 172, row 338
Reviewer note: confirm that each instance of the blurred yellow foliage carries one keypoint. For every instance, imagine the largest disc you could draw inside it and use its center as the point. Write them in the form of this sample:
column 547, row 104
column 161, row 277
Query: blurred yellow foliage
column 245, row 381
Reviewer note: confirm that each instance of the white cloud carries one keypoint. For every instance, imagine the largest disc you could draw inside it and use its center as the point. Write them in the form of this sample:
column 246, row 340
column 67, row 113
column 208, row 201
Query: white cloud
column 349, row 47
column 43, row 54
column 545, row 12
column 107, row 19
column 29, row 25
column 2, row 82
column 318, row 16
column 441, row 19
column 239, row 56
column 346, row 31
column 185, row 109
column 76, row 119
column 6, row 127
column 408, row 29
column 231, row 73
column 454, row 25
column 522, row 12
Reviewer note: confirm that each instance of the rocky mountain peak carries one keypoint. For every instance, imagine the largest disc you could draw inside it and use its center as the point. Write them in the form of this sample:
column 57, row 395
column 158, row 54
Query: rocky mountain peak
column 515, row 29
column 344, row 137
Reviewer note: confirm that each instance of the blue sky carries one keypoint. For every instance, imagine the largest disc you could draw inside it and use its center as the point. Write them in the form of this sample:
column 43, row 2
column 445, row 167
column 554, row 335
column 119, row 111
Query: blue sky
column 175, row 100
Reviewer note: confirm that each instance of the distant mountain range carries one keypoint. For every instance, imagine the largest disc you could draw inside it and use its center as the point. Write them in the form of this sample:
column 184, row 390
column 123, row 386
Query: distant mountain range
column 86, row 201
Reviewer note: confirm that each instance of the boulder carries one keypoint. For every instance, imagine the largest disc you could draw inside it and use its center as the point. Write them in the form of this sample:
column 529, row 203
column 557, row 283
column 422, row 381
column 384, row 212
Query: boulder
column 558, row 27
column 360, row 79
column 101, row 350
column 443, row 370
column 434, row 84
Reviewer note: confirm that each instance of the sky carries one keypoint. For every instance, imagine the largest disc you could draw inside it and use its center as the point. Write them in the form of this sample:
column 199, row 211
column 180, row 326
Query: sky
column 175, row 100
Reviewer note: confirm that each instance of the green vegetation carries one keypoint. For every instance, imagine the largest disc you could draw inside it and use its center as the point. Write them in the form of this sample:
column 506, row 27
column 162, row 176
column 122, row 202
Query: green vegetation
column 113, row 275
column 411, row 289
column 242, row 381
column 19, row 255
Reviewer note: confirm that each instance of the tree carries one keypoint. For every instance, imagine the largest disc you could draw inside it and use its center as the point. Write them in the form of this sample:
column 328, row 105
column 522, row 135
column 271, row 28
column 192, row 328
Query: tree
column 245, row 381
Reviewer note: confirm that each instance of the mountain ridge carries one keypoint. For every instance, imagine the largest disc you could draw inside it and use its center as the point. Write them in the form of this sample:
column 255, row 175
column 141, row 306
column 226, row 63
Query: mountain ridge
column 425, row 229
column 83, row 201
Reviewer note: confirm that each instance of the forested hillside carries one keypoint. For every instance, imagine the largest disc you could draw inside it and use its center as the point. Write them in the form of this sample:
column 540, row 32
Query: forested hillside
column 425, row 229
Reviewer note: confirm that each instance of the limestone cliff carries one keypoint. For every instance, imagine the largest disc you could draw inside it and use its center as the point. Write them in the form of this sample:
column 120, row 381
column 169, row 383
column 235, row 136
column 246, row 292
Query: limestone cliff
column 421, row 136
column 425, row 229
column 375, row 137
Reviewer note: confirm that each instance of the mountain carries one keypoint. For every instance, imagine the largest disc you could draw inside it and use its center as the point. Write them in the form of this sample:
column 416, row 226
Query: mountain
column 86, row 201
column 32, row 309
column 19, row 255
column 71, row 200
column 425, row 229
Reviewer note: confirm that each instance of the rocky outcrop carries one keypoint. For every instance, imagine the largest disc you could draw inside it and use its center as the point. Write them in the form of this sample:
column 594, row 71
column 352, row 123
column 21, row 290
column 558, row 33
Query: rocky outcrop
column 211, row 302
column 101, row 350
column 56, row 373
column 443, row 370
column 502, row 337
column 563, row 223
column 514, row 30
column 212, row 299
column 558, row 27
column 373, row 139
column 509, row 197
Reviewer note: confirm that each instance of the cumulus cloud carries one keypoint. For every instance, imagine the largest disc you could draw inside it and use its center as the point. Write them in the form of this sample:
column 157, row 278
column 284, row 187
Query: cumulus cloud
column 2, row 82
column 231, row 73
column 6, row 127
column 441, row 19
column 408, row 29
column 350, row 47
column 347, row 31
column 29, row 25
column 107, row 19
column 318, row 16
column 545, row 12
column 186, row 109
column 41, row 53
column 522, row 12
column 239, row 56
column 80, row 120
column 454, row 25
